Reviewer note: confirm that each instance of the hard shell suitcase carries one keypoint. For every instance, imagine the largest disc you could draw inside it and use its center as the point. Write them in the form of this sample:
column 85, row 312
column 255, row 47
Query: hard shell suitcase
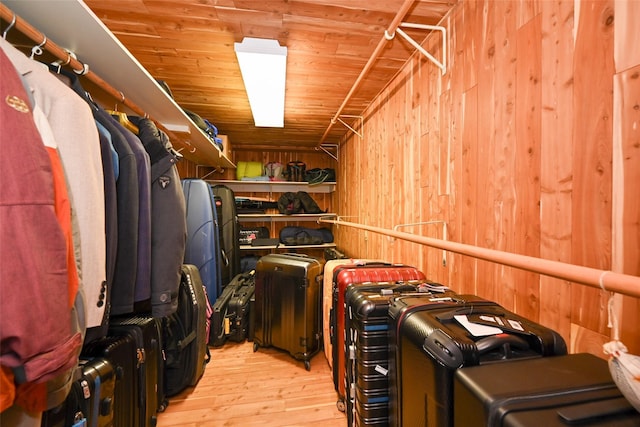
column 230, row 318
column 431, row 339
column 343, row 276
column 121, row 352
column 90, row 400
column 217, row 335
column 185, row 335
column 146, row 332
column 367, row 346
column 203, row 242
column 327, row 303
column 229, row 232
column 287, row 306
column 575, row 389
column 238, row 315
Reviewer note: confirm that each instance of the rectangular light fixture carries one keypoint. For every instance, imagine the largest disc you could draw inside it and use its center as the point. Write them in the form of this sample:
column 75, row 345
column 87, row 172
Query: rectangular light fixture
column 263, row 64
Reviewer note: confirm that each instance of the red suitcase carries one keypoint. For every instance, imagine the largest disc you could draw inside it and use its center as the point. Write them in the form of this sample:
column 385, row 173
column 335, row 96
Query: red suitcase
column 351, row 274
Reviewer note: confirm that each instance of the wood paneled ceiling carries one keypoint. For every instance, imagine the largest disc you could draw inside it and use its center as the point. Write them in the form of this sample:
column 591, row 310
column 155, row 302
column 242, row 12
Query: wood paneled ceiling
column 189, row 44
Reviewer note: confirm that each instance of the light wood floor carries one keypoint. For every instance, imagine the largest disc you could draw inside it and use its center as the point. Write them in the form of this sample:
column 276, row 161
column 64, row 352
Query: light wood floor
column 265, row 388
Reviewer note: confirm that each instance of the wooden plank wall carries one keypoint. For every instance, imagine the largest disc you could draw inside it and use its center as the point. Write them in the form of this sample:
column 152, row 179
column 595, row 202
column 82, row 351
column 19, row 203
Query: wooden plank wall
column 528, row 144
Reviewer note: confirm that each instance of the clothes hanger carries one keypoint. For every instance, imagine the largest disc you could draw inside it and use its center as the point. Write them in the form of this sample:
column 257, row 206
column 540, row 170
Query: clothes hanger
column 37, row 49
column 122, row 117
column 11, row 24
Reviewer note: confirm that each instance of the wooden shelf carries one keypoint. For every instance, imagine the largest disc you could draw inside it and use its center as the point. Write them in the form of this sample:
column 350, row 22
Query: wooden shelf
column 283, row 218
column 275, row 186
column 107, row 57
column 283, row 246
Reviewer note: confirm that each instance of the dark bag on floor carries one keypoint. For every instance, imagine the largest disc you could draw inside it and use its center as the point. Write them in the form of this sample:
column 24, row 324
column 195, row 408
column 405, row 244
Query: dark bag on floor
column 185, row 335
column 231, row 311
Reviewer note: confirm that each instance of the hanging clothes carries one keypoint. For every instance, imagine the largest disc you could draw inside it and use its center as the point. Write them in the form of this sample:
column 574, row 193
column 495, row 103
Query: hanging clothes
column 168, row 218
column 77, row 136
column 124, row 247
column 142, row 288
column 34, row 280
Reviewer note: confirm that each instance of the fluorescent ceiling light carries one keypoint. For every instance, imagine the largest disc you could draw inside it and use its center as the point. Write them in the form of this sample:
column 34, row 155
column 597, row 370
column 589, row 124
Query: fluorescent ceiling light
column 263, row 64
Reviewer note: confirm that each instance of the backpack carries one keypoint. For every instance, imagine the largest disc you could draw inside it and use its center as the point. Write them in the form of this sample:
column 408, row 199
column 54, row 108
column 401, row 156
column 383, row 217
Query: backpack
column 185, row 334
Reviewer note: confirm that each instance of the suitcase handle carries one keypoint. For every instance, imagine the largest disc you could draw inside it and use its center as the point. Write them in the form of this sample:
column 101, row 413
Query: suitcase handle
column 504, row 341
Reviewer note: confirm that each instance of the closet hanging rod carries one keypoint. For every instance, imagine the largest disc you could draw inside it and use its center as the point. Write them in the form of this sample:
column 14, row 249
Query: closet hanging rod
column 383, row 41
column 606, row 280
column 78, row 67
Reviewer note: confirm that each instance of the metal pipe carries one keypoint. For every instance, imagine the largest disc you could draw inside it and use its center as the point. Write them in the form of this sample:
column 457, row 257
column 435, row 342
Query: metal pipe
column 78, row 67
column 391, row 29
column 606, row 280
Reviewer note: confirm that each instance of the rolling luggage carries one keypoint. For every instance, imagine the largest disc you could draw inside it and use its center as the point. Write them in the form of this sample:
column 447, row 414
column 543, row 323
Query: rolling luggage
column 575, row 389
column 367, row 346
column 230, row 318
column 229, row 232
column 90, row 400
column 203, row 242
column 287, row 306
column 431, row 339
column 327, row 303
column 121, row 352
column 239, row 306
column 146, row 332
column 185, row 335
column 343, row 276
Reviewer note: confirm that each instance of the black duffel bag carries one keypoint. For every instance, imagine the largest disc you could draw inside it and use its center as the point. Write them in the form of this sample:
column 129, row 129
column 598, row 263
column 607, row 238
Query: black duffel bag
column 293, row 235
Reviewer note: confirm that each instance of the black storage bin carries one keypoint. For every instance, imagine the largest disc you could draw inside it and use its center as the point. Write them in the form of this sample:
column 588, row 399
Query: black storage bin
column 574, row 389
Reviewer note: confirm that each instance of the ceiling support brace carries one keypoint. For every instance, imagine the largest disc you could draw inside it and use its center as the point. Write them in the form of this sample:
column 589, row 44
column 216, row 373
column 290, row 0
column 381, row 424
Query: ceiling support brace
column 404, row 9
column 349, row 127
column 333, row 146
column 442, row 65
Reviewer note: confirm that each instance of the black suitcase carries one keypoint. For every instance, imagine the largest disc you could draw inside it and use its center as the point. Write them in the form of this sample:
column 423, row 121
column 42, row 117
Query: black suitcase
column 230, row 319
column 238, row 313
column 121, row 352
column 287, row 304
column 217, row 335
column 343, row 276
column 146, row 331
column 229, row 232
column 367, row 346
column 90, row 400
column 185, row 335
column 430, row 343
column 575, row 389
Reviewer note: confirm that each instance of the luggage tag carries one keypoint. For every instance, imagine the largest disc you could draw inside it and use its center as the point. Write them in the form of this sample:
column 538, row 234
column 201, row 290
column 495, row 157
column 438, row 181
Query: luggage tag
column 477, row 329
column 502, row 322
column 79, row 420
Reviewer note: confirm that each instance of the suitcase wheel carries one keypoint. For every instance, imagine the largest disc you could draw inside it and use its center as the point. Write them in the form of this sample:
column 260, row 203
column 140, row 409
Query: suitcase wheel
column 255, row 347
column 341, row 406
column 307, row 365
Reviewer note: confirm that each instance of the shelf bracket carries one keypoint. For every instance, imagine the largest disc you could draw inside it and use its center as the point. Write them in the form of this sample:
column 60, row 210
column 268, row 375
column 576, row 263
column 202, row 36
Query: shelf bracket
column 329, row 153
column 339, row 118
column 444, row 233
column 215, row 169
column 442, row 65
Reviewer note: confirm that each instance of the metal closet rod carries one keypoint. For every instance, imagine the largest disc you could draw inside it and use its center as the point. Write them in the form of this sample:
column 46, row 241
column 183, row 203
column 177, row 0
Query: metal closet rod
column 383, row 41
column 78, row 67
column 606, row 280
